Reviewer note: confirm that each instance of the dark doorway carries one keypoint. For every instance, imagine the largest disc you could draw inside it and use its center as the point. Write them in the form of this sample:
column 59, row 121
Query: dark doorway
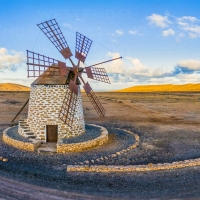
column 52, row 133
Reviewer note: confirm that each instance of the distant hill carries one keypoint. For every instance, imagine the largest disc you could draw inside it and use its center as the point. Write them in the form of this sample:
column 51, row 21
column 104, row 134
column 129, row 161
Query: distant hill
column 13, row 87
column 162, row 88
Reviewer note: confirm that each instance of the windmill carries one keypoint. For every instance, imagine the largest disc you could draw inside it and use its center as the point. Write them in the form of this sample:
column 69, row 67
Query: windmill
column 47, row 69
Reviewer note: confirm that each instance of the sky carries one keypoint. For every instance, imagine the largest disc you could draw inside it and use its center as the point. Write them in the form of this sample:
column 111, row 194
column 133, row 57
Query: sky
column 159, row 40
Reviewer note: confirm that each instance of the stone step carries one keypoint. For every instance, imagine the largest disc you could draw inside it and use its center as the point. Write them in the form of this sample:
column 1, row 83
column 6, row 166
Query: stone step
column 31, row 136
column 29, row 133
column 21, row 121
column 26, row 130
column 24, row 126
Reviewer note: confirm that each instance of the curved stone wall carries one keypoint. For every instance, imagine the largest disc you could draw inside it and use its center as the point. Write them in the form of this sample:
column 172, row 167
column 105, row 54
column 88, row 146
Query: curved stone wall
column 27, row 146
column 76, row 147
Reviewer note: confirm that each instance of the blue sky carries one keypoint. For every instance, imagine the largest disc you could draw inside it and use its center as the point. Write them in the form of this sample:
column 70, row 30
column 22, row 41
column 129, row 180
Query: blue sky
column 159, row 40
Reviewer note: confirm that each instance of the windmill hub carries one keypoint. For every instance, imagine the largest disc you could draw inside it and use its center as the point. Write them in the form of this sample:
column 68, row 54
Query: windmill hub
column 55, row 104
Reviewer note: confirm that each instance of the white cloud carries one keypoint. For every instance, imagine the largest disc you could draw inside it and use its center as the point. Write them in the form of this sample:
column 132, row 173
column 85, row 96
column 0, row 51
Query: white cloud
column 3, row 51
column 190, row 64
column 119, row 32
column 168, row 32
column 138, row 69
column 10, row 59
column 132, row 32
column 132, row 70
column 116, row 66
column 190, row 25
column 189, row 18
column 158, row 20
column 19, row 76
column 67, row 26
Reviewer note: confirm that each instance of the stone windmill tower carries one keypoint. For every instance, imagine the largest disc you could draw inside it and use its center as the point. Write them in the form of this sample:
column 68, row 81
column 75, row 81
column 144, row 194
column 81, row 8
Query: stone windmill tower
column 55, row 103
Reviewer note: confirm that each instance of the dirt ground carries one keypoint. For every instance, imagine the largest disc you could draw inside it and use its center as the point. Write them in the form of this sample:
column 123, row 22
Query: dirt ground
column 168, row 126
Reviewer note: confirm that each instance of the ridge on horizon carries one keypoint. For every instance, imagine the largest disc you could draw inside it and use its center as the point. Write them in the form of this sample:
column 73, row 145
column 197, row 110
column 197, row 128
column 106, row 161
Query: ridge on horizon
column 13, row 87
column 163, row 88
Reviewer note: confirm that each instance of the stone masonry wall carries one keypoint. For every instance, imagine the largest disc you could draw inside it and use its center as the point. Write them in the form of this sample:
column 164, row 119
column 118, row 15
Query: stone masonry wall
column 44, row 107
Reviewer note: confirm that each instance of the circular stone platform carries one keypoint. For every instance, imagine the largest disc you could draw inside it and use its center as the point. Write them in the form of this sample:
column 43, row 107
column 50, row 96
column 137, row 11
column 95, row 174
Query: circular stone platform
column 94, row 136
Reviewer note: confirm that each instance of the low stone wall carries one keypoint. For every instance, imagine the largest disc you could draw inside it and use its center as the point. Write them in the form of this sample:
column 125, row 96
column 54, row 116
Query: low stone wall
column 76, row 147
column 134, row 168
column 19, row 144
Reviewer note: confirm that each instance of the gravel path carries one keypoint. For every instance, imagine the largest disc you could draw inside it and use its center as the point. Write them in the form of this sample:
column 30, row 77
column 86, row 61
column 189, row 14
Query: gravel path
column 50, row 170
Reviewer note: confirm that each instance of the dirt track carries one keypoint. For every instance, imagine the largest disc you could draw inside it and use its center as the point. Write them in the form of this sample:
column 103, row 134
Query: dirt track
column 168, row 125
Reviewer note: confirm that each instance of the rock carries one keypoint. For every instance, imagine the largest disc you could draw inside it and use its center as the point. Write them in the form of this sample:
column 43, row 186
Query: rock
column 150, row 165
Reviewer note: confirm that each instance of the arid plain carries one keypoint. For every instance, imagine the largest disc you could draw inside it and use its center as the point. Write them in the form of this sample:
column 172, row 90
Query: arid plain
column 169, row 130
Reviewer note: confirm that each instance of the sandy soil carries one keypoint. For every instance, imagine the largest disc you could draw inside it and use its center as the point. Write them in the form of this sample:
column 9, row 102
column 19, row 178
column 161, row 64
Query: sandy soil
column 168, row 125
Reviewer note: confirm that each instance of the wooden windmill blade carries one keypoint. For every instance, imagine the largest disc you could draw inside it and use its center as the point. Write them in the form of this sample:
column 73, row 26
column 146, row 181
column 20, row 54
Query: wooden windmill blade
column 98, row 74
column 40, row 65
column 83, row 45
column 73, row 87
column 20, row 110
column 94, row 100
column 52, row 31
column 68, row 108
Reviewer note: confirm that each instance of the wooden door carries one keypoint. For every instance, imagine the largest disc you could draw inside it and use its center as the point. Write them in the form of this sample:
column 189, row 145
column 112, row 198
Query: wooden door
column 52, row 133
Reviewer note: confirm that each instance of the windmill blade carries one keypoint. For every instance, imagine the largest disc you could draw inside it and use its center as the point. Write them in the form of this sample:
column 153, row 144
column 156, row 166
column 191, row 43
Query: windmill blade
column 20, row 110
column 73, row 87
column 105, row 61
column 68, row 108
column 52, row 31
column 94, row 100
column 98, row 74
column 83, row 45
column 38, row 64
column 63, row 71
